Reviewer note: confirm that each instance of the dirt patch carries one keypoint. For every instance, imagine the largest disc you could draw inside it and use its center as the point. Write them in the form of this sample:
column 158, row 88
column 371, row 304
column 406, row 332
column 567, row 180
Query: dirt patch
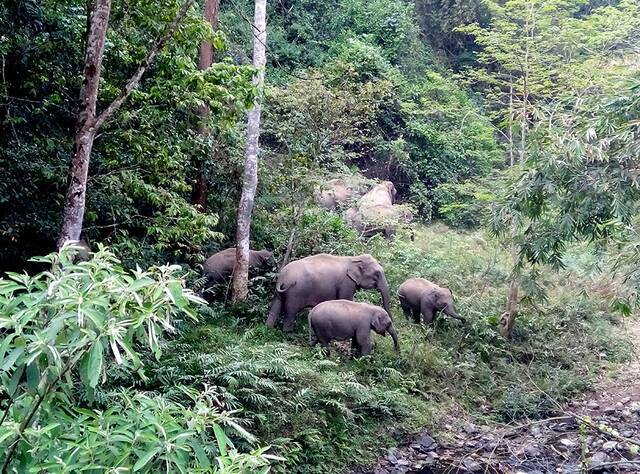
column 597, row 432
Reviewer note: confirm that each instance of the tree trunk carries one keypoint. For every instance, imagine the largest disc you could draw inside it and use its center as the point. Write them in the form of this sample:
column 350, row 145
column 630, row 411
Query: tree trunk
column 250, row 176
column 88, row 123
column 508, row 318
column 75, row 198
column 205, row 60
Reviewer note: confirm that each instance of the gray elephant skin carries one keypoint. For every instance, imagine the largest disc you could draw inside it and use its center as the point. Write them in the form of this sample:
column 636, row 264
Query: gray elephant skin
column 336, row 193
column 381, row 194
column 311, row 280
column 420, row 297
column 341, row 320
column 221, row 264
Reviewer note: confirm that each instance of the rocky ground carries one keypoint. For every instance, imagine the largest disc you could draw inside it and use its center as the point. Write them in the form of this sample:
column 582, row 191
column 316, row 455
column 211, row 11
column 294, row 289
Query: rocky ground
column 599, row 432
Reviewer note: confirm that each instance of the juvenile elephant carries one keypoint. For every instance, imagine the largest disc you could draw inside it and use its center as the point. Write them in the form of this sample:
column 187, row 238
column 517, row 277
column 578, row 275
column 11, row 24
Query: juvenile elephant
column 339, row 320
column 311, row 280
column 383, row 193
column 220, row 265
column 422, row 297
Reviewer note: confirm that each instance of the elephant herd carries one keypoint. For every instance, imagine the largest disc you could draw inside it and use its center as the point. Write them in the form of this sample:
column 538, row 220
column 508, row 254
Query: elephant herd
column 327, row 284
column 372, row 212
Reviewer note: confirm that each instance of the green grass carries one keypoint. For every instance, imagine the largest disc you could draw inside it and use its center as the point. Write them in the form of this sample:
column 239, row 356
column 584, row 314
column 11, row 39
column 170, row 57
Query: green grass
column 325, row 414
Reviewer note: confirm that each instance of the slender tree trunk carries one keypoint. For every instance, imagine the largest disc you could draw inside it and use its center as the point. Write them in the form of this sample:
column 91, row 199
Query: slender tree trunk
column 88, row 122
column 205, row 60
column 75, row 198
column 510, row 131
column 508, row 318
column 250, row 176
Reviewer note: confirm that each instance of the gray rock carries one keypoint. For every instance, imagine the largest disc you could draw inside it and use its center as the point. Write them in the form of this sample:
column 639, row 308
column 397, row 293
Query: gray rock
column 532, row 450
column 609, row 410
column 625, row 400
column 471, row 465
column 593, row 405
column 470, row 429
column 598, row 458
column 627, row 433
column 568, row 443
column 610, row 445
column 424, row 443
column 392, row 456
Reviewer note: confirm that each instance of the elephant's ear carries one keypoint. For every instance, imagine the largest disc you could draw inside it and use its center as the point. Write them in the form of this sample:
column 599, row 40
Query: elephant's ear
column 355, row 271
column 429, row 298
column 379, row 322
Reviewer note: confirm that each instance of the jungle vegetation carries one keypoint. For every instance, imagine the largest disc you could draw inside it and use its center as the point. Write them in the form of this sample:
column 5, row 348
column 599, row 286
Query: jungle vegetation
column 163, row 131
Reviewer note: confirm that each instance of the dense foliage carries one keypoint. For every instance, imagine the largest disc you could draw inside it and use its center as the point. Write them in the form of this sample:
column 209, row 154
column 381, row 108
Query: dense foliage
column 519, row 116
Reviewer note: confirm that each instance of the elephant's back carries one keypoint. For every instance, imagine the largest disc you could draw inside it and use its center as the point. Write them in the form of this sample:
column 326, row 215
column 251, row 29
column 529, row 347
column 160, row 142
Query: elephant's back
column 333, row 309
column 218, row 261
column 414, row 287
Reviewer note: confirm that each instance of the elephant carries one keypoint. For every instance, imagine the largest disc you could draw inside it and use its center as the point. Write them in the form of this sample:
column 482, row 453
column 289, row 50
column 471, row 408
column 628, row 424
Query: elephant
column 380, row 218
column 336, row 193
column 220, row 265
column 311, row 280
column 383, row 193
column 422, row 297
column 339, row 320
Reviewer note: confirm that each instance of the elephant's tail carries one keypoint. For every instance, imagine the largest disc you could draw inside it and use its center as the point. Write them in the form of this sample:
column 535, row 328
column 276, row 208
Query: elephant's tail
column 282, row 287
column 276, row 309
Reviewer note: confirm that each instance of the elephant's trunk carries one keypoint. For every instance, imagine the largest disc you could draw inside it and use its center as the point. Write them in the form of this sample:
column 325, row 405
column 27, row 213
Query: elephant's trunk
column 383, row 288
column 450, row 311
column 394, row 335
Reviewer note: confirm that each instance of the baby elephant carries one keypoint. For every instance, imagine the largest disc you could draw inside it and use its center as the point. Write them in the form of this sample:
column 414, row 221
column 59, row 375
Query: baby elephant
column 422, row 297
column 339, row 320
column 220, row 265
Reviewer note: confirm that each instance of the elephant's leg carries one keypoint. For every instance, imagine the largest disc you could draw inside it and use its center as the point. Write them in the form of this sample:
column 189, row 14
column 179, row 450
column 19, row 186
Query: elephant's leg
column 415, row 313
column 406, row 308
column 290, row 312
column 363, row 338
column 428, row 315
column 355, row 346
column 276, row 309
column 346, row 290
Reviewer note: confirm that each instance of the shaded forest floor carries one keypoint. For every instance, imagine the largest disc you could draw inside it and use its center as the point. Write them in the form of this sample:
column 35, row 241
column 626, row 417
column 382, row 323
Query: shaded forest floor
column 598, row 431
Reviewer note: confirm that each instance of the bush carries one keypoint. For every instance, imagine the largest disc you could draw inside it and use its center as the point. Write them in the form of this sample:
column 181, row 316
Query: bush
column 63, row 330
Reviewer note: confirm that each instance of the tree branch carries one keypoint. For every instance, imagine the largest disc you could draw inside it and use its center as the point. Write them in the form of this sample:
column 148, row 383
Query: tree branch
column 153, row 52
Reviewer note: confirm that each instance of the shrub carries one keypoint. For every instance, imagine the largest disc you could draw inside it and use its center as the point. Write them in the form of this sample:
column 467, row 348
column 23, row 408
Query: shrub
column 62, row 330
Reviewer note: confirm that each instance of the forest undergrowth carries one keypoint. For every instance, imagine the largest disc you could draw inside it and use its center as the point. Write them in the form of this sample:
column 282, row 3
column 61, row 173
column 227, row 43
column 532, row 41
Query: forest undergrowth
column 325, row 414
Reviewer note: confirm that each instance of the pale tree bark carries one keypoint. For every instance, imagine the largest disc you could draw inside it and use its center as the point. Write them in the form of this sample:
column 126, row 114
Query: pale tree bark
column 74, row 203
column 205, row 60
column 250, row 175
column 88, row 122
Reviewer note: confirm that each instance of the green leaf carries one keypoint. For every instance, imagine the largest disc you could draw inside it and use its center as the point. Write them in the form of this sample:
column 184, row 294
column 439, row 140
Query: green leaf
column 222, row 439
column 91, row 365
column 175, row 293
column 203, row 460
column 33, row 376
column 11, row 359
column 144, row 459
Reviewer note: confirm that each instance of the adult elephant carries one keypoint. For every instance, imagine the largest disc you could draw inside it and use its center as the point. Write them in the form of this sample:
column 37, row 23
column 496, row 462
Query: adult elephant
column 311, row 280
column 335, row 193
column 378, row 219
column 381, row 194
